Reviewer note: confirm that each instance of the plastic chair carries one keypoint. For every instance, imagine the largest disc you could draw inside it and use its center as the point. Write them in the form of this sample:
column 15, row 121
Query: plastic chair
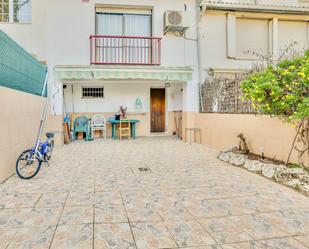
column 124, row 129
column 98, row 123
column 80, row 125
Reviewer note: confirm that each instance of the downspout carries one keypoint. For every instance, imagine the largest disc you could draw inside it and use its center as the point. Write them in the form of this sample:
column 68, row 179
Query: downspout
column 199, row 15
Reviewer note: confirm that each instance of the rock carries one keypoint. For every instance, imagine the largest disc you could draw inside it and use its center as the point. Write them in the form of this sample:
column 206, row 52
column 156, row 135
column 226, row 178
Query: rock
column 253, row 166
column 225, row 156
column 237, row 159
column 304, row 188
column 270, row 170
column 305, row 179
column 290, row 174
column 295, row 183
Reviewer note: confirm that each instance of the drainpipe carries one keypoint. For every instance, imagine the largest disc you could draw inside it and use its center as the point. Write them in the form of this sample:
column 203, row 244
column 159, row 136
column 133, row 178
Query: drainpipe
column 199, row 16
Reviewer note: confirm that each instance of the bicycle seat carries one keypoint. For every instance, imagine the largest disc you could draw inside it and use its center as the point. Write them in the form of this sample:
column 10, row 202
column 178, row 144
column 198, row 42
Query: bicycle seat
column 50, row 135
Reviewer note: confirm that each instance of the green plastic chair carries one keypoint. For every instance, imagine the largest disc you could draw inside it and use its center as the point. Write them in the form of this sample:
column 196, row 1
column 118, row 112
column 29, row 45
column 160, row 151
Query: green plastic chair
column 81, row 125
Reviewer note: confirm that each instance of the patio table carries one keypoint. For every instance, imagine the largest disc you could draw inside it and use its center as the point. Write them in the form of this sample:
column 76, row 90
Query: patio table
column 114, row 122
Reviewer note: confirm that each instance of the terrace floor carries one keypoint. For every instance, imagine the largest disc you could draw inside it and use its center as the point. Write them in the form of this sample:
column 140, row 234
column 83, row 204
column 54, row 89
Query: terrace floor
column 93, row 195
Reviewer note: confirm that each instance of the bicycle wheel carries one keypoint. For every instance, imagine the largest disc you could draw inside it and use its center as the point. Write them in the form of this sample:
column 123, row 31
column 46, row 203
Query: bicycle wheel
column 49, row 151
column 27, row 165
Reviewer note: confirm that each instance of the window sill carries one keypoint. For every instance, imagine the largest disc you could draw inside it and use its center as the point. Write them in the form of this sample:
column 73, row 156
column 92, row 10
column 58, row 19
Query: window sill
column 16, row 23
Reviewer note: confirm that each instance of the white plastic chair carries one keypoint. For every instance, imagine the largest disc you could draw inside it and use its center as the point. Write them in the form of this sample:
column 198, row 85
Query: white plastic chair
column 98, row 123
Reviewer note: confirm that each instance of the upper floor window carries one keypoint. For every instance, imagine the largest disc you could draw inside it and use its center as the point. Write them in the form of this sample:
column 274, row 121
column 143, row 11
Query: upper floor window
column 15, row 11
column 126, row 22
column 252, row 37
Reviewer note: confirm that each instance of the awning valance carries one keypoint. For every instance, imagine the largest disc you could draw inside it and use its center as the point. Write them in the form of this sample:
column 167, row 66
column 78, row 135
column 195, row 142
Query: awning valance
column 64, row 73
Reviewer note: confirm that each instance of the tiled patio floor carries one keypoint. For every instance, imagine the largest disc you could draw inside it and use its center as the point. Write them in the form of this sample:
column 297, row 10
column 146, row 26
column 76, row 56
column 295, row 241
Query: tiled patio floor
column 94, row 196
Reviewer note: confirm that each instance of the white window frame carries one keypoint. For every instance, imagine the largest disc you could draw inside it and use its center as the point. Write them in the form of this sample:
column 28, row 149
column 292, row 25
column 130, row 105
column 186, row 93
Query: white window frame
column 11, row 13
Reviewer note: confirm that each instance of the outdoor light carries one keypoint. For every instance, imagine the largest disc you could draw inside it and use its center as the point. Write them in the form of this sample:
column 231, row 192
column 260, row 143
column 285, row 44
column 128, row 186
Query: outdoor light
column 167, row 85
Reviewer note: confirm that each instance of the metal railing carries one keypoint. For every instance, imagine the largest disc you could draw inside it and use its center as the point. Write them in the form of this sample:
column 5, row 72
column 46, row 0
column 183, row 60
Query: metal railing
column 125, row 50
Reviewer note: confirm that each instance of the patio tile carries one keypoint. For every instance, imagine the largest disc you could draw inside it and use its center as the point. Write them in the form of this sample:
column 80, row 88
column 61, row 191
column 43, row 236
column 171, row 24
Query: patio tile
column 6, row 235
column 303, row 239
column 110, row 214
column 108, row 198
column 32, row 237
column 80, row 199
column 224, row 231
column 189, row 233
column 14, row 217
column 76, row 215
column 22, row 200
column 292, row 222
column 257, row 226
column 52, row 200
column 202, row 247
column 4, row 200
column 152, row 235
column 175, row 213
column 210, row 208
column 143, row 214
column 29, row 217
column 282, row 243
column 112, row 236
column 73, row 237
column 242, row 245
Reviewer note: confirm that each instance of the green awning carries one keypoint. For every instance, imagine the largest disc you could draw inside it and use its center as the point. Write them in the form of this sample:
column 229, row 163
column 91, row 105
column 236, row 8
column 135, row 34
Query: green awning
column 64, row 73
column 19, row 70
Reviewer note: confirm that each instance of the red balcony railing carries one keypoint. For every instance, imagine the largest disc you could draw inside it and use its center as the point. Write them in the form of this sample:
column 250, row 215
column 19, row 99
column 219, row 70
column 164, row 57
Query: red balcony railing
column 125, row 50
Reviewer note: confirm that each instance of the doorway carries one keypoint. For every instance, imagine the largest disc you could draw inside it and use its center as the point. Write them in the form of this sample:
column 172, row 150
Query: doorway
column 157, row 109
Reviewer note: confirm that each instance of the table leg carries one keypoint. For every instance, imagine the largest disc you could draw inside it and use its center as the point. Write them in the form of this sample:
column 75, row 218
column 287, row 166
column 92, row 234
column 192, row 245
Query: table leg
column 133, row 130
column 114, row 131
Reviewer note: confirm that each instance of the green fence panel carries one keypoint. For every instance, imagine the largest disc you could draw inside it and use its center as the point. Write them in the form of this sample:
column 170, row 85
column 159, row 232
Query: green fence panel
column 18, row 69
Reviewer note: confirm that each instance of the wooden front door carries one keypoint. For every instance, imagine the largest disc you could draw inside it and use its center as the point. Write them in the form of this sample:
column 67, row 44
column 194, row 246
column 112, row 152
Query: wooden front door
column 157, row 109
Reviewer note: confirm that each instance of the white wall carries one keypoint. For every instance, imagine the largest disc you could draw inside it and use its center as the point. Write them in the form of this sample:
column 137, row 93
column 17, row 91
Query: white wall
column 115, row 95
column 118, row 94
column 175, row 102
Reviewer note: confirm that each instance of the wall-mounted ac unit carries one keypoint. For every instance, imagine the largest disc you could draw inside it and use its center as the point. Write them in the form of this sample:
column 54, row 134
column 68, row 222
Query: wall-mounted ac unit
column 175, row 22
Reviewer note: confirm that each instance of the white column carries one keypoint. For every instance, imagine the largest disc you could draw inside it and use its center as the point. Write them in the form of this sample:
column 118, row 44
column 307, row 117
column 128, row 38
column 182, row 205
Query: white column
column 307, row 35
column 167, row 106
column 56, row 89
column 11, row 11
column 275, row 40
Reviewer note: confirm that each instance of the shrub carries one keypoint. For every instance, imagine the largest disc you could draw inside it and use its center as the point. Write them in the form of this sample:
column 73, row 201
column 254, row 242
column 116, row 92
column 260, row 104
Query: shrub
column 281, row 90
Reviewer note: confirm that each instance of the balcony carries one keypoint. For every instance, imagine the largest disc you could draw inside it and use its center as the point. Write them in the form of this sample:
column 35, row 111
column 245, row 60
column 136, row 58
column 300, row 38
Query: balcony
column 125, row 50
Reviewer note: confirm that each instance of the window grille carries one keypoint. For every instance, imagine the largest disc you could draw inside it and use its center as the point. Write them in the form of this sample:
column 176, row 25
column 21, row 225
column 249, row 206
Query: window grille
column 15, row 11
column 4, row 11
column 93, row 92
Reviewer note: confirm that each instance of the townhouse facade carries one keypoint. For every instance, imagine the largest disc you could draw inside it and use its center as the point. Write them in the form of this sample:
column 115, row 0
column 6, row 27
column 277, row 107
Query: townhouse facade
column 147, row 55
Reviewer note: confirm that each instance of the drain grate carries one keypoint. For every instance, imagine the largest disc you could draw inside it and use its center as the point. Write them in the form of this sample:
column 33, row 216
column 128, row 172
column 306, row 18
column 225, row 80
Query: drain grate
column 144, row 169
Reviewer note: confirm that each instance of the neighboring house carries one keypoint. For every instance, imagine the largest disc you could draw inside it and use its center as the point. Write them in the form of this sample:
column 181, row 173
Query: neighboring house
column 229, row 29
column 105, row 54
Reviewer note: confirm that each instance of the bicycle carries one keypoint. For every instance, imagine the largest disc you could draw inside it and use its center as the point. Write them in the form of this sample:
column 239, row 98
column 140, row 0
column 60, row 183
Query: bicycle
column 29, row 162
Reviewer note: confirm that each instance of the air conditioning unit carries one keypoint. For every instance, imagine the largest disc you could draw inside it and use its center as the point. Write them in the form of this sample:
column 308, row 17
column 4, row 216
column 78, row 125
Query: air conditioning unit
column 175, row 22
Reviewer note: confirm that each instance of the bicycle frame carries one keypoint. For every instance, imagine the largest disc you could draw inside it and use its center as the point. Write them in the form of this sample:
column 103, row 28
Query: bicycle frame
column 40, row 149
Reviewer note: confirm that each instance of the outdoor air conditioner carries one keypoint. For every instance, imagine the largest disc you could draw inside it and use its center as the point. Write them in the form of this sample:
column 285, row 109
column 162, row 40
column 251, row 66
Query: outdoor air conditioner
column 175, row 22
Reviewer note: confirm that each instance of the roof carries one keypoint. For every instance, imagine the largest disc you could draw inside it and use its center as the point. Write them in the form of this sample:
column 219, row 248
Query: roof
column 251, row 6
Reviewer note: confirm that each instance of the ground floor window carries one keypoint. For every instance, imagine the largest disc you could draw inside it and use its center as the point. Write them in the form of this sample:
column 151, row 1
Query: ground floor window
column 15, row 11
column 93, row 92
